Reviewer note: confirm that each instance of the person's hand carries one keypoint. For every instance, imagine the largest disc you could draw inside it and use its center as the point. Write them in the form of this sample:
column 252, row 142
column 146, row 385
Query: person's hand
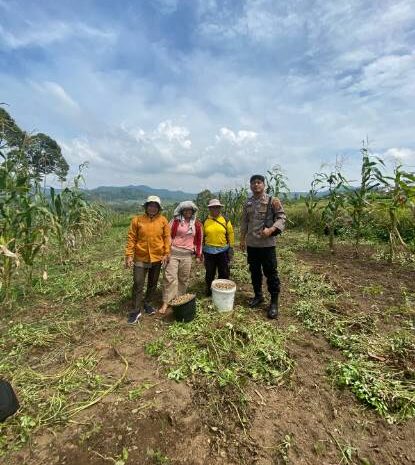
column 129, row 262
column 199, row 259
column 165, row 260
column 266, row 232
column 230, row 254
column 242, row 245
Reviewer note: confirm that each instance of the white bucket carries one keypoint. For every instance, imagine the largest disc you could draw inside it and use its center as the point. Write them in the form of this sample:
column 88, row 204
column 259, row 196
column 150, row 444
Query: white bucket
column 223, row 298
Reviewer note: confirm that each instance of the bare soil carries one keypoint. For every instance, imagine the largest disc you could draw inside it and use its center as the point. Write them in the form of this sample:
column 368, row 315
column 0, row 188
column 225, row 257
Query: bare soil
column 304, row 421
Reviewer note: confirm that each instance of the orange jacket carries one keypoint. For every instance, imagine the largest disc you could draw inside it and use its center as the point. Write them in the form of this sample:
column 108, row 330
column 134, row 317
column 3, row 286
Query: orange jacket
column 148, row 238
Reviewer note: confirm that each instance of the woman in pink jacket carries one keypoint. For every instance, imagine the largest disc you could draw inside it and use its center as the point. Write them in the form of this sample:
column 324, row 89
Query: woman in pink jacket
column 186, row 241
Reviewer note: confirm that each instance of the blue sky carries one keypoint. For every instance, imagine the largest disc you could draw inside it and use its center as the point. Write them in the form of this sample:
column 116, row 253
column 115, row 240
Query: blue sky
column 194, row 94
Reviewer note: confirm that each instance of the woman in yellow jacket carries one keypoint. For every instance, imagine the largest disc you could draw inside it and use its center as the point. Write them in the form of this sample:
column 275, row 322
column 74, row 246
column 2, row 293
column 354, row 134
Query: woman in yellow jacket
column 218, row 244
column 148, row 247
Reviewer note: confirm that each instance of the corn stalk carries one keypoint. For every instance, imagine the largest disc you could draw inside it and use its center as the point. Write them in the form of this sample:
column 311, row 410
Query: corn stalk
column 74, row 220
column 311, row 202
column 359, row 199
column 400, row 189
column 23, row 221
column 334, row 183
column 233, row 201
column 276, row 182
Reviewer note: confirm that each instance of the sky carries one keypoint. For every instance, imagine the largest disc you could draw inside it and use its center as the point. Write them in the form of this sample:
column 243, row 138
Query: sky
column 195, row 94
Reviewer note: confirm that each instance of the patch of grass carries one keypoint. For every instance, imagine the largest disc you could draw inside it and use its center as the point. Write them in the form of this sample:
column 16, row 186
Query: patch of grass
column 284, row 447
column 225, row 348
column 385, row 391
column 368, row 372
column 239, row 269
column 91, row 431
column 374, row 290
column 157, row 457
column 54, row 374
column 403, row 258
column 347, row 451
column 88, row 274
column 402, row 344
column 221, row 353
column 47, row 397
column 136, row 393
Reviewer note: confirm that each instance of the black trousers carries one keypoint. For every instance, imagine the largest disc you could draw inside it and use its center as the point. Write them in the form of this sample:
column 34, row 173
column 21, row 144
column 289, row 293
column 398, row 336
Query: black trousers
column 263, row 260
column 213, row 262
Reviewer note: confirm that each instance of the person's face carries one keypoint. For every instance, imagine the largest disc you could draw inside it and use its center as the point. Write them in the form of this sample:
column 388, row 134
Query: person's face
column 152, row 208
column 187, row 213
column 214, row 211
column 257, row 186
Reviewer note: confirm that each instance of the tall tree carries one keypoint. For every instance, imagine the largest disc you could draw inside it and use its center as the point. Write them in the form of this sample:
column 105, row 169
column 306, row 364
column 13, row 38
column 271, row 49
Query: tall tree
column 45, row 157
column 11, row 136
column 40, row 153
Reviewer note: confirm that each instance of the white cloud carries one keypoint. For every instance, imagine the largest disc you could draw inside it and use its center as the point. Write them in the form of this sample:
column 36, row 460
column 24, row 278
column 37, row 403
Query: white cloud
column 259, row 20
column 50, row 32
column 173, row 133
column 402, row 155
column 386, row 72
column 53, row 89
column 238, row 138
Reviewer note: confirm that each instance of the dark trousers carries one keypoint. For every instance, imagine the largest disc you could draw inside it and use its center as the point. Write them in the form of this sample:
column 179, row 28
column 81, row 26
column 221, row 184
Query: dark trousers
column 263, row 260
column 213, row 262
column 139, row 276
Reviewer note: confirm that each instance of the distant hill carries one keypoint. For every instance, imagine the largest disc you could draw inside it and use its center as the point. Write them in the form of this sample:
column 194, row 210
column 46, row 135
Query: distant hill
column 114, row 194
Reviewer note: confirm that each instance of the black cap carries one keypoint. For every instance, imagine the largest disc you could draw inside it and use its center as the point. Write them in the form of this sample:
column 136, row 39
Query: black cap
column 257, row 176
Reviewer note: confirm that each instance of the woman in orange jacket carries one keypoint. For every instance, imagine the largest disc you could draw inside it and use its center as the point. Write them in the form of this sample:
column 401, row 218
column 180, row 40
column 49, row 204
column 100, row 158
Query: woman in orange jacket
column 148, row 247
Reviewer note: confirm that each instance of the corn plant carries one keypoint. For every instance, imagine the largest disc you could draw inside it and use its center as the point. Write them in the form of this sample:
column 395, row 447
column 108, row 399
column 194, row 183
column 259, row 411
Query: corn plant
column 359, row 199
column 23, row 221
column 400, row 190
column 276, row 182
column 233, row 201
column 335, row 184
column 311, row 202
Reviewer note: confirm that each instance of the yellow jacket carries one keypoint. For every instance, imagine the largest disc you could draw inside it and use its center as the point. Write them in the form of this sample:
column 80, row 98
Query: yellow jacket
column 148, row 238
column 215, row 234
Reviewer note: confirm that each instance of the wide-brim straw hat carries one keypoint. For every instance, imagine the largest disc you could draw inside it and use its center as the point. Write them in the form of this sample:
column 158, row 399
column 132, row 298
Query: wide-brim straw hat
column 214, row 203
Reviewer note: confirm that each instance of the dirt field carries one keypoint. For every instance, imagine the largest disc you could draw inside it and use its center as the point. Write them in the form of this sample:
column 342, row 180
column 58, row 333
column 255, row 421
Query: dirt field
column 304, row 419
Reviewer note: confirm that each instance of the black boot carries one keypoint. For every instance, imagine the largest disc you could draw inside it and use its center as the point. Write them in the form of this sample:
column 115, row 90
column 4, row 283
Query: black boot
column 256, row 300
column 273, row 307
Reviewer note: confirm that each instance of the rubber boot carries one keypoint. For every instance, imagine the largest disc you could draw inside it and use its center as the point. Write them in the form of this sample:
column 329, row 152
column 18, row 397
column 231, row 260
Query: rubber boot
column 273, row 307
column 256, row 300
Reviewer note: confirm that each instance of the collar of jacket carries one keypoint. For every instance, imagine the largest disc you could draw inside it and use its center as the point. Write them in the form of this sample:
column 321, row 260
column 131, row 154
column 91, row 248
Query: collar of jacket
column 152, row 217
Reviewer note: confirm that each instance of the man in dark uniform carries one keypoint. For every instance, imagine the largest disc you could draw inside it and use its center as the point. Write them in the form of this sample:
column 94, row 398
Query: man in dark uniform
column 259, row 241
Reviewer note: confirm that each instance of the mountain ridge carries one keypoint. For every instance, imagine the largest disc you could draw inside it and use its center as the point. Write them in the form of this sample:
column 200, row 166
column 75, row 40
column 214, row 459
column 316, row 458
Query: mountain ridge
column 136, row 193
